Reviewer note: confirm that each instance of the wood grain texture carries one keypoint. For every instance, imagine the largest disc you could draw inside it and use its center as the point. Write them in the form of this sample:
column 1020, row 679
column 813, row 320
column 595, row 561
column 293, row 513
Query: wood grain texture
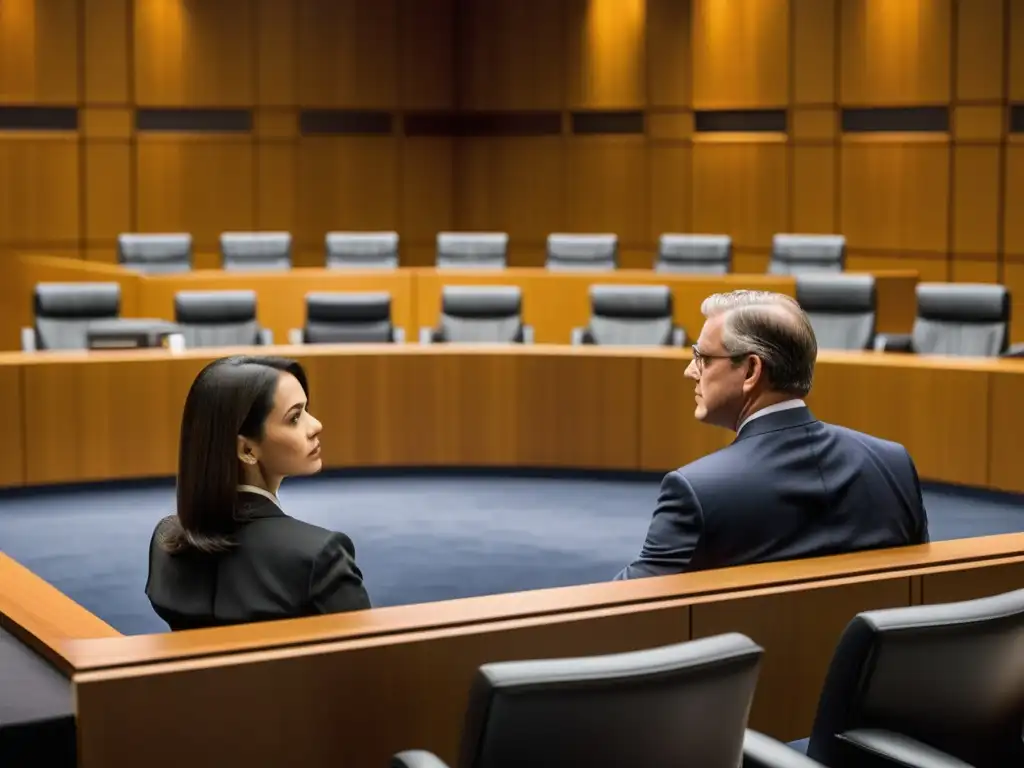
column 606, row 46
column 813, row 58
column 39, row 47
column 39, row 190
column 895, row 54
column 106, row 39
column 669, row 52
column 979, row 55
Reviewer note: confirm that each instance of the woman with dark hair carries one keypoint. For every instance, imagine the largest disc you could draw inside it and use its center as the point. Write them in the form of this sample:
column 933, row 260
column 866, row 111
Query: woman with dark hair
column 231, row 554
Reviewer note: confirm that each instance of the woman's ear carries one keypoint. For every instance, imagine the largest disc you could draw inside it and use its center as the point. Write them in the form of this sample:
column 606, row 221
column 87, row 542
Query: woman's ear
column 246, row 451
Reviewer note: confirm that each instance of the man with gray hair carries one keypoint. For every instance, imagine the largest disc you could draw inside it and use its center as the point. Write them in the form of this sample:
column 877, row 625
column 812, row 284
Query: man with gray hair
column 789, row 486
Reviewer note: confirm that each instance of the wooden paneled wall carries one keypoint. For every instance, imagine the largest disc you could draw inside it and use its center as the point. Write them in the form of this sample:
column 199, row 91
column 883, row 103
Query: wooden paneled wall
column 645, row 70
column 72, row 191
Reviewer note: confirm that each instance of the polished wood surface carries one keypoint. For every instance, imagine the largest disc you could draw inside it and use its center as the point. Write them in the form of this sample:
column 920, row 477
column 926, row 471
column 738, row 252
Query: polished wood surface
column 412, row 687
column 43, row 617
column 109, row 415
column 553, row 302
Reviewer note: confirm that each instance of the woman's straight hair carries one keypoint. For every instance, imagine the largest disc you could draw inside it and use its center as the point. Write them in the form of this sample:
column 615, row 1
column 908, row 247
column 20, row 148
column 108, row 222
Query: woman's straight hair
column 230, row 397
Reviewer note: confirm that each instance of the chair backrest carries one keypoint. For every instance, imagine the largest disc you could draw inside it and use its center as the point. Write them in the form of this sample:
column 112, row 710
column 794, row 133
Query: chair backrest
column 695, row 254
column 156, row 254
column 582, row 252
column 950, row 676
column 65, row 312
column 251, row 251
column 472, row 250
column 481, row 313
column 841, row 308
column 361, row 250
column 217, row 318
column 343, row 318
column 631, row 315
column 962, row 319
column 797, row 254
column 643, row 708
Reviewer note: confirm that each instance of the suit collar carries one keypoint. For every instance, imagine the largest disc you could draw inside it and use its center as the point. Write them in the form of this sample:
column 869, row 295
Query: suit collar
column 255, row 506
column 773, row 422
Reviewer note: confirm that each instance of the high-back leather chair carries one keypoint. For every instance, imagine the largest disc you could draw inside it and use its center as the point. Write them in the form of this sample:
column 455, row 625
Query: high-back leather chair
column 841, row 308
column 799, row 254
column 155, row 254
column 971, row 319
column 489, row 314
column 347, row 318
column 694, row 254
column 597, row 253
column 630, row 315
column 252, row 251
column 361, row 250
column 219, row 319
column 929, row 685
column 472, row 250
column 65, row 312
column 678, row 705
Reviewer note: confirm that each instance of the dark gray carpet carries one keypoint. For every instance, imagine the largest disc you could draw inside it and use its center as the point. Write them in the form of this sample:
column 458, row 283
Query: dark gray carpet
column 418, row 539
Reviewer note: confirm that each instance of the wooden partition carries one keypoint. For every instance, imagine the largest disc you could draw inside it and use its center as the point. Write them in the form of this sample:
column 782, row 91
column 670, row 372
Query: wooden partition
column 353, row 689
column 553, row 302
column 108, row 415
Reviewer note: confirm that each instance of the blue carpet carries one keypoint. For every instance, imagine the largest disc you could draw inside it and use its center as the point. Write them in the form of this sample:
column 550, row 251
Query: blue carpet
column 418, row 538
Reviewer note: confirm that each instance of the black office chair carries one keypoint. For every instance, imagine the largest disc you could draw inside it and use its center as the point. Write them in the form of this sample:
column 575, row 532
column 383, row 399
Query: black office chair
column 488, row 314
column 347, row 318
column 678, row 705
column 930, row 686
column 630, row 315
column 842, row 309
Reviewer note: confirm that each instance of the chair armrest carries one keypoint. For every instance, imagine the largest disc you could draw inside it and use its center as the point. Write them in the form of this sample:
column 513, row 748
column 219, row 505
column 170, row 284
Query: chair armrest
column 898, row 749
column 398, row 335
column 265, row 338
column 28, row 340
column 894, row 342
column 296, row 336
column 581, row 336
column 417, row 758
column 678, row 337
column 760, row 751
column 1015, row 350
column 527, row 334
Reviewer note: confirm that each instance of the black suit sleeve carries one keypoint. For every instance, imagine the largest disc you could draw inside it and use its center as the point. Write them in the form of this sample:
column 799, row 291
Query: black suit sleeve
column 336, row 583
column 923, row 535
column 674, row 533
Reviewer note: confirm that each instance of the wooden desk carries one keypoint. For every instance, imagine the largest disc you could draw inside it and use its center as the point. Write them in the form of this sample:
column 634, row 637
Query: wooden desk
column 370, row 693
column 104, row 415
column 553, row 302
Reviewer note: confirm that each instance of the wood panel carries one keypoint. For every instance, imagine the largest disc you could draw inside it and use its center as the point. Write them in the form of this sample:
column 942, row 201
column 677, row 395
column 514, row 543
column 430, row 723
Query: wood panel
column 1015, row 54
column 276, row 50
column 277, row 191
column 198, row 184
column 108, row 204
column 39, row 52
column 427, row 47
column 12, row 447
column 606, row 189
column 511, row 55
column 895, row 54
column 740, row 54
column 895, row 196
column 107, row 55
column 514, row 185
column 670, row 200
column 195, row 53
column 814, row 189
column 813, row 58
column 975, row 189
column 348, row 183
column 426, row 206
column 1013, row 226
column 1004, row 469
column 348, row 53
column 607, row 66
column 39, row 190
column 669, row 52
column 979, row 53
column 740, row 189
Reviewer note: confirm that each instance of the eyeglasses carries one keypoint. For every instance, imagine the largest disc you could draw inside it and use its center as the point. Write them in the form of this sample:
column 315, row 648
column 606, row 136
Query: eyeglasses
column 700, row 358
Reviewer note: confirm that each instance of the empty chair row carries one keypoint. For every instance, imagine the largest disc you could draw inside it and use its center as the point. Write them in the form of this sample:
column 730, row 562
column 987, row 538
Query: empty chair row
column 678, row 253
column 927, row 685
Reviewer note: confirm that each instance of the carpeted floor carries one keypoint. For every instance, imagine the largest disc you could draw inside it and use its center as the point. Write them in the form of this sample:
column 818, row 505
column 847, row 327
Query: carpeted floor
column 418, row 538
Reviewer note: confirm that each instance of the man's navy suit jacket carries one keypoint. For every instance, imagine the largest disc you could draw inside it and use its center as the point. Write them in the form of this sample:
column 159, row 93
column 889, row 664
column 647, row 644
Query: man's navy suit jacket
column 788, row 487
